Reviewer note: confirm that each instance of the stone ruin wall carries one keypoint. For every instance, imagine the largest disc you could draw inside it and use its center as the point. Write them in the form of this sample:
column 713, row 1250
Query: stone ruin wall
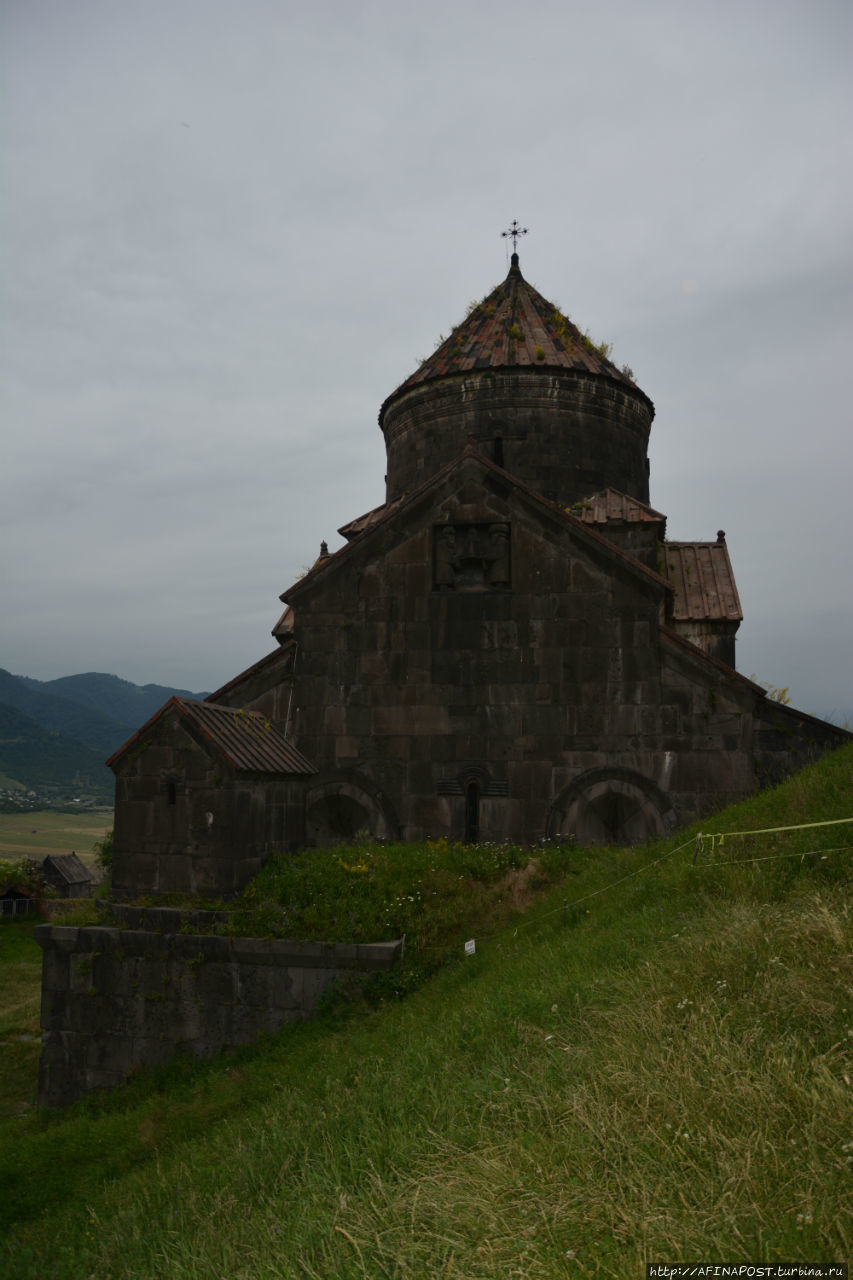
column 115, row 1000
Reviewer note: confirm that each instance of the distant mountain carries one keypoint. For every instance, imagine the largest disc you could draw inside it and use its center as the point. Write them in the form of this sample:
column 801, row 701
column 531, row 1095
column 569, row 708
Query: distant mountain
column 48, row 762
column 128, row 704
column 88, row 726
column 58, row 733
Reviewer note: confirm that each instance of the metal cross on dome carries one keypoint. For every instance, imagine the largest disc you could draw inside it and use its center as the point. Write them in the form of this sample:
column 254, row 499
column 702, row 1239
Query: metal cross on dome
column 514, row 232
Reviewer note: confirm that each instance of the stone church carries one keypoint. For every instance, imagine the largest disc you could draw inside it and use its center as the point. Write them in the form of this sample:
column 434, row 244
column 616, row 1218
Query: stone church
column 509, row 648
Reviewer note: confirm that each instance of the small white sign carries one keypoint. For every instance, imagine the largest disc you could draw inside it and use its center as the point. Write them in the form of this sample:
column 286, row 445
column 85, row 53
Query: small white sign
column 470, row 947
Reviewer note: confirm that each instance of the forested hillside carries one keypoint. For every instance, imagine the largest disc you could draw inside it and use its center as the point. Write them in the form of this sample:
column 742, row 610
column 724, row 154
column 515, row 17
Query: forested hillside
column 55, row 735
column 48, row 762
column 121, row 702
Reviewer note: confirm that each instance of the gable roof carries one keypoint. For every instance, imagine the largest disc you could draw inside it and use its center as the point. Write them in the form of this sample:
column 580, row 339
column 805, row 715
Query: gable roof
column 381, row 517
column 610, row 504
column 67, row 867
column 353, row 528
column 702, row 580
column 515, row 326
column 246, row 740
column 268, row 664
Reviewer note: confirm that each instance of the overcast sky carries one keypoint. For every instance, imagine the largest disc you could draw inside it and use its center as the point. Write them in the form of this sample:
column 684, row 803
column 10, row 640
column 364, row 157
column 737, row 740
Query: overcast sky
column 230, row 228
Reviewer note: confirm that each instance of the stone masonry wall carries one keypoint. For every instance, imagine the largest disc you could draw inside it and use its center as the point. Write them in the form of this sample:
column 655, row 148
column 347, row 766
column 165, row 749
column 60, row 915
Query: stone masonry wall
column 567, row 434
column 406, row 687
column 114, row 1000
column 187, row 823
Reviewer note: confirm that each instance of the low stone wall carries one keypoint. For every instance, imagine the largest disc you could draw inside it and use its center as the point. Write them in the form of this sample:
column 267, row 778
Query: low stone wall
column 117, row 999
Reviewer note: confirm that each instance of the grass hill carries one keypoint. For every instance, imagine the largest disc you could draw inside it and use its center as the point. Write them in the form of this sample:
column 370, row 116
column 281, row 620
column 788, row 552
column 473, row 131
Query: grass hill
column 649, row 1061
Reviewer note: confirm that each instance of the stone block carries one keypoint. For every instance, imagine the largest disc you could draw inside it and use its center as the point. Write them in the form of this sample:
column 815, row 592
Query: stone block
column 285, row 988
column 56, row 966
column 624, row 722
column 62, row 937
column 650, row 722
column 151, row 1051
column 399, row 721
column 253, row 984
column 216, row 983
column 334, row 720
column 55, row 1009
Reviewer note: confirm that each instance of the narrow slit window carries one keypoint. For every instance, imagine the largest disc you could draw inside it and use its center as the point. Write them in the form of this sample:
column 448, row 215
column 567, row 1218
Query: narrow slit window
column 171, row 792
column 472, row 813
column 498, row 451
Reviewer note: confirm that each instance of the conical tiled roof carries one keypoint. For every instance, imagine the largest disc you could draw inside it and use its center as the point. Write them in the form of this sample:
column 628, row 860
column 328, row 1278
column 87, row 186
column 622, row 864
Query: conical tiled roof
column 513, row 326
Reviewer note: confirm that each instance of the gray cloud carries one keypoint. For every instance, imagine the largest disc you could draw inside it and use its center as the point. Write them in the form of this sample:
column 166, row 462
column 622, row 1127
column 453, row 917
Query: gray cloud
column 230, row 231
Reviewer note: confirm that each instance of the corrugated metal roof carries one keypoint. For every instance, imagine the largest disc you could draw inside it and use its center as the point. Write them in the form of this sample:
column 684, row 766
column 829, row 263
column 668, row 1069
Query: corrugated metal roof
column 610, row 504
column 514, row 326
column 702, row 580
column 249, row 742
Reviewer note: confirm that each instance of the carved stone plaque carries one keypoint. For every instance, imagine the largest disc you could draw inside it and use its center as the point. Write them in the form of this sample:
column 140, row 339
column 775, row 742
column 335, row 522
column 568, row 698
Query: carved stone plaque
column 471, row 557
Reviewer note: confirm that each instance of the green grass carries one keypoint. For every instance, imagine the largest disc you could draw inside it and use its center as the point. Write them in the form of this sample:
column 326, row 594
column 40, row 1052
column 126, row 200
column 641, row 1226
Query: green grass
column 660, row 1071
column 36, row 834
column 20, row 1002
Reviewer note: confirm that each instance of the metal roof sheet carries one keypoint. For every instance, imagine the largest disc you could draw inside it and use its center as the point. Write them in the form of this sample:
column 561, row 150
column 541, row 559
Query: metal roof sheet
column 702, row 580
column 514, row 326
column 249, row 742
column 610, row 504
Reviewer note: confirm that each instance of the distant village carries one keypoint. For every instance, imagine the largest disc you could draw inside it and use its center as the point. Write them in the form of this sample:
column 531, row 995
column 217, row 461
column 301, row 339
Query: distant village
column 18, row 801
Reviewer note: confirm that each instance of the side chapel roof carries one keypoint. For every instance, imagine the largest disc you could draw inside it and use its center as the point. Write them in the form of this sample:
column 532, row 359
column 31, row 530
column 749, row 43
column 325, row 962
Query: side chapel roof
column 703, row 581
column 514, row 326
column 247, row 741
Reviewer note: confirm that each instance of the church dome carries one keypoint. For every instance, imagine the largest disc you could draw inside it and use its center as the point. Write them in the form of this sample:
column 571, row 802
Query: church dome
column 523, row 383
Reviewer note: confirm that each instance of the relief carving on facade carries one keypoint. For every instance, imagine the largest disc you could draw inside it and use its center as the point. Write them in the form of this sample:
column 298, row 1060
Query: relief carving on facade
column 471, row 557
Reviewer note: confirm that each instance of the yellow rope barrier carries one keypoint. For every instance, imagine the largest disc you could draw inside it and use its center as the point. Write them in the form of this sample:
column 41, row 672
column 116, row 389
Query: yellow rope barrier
column 764, row 831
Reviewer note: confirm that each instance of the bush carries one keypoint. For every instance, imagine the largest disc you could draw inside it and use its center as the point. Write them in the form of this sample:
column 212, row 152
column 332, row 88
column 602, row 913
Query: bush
column 103, row 850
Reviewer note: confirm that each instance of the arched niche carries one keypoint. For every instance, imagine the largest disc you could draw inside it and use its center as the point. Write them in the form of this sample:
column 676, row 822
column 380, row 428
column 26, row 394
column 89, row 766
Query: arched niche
column 610, row 806
column 342, row 809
